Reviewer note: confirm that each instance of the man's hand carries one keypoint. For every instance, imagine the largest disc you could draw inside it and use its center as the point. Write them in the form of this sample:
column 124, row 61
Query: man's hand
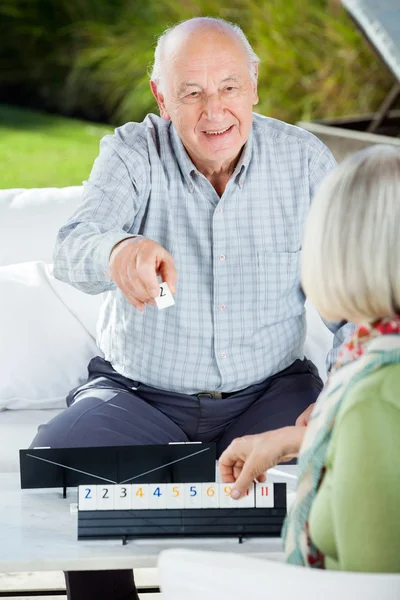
column 302, row 420
column 134, row 266
column 247, row 458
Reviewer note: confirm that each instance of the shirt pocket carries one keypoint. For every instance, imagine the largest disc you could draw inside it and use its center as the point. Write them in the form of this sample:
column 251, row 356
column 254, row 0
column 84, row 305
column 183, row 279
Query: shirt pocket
column 280, row 295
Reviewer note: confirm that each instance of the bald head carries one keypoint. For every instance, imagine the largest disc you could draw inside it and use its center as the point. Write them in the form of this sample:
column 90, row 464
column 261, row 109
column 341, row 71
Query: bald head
column 199, row 31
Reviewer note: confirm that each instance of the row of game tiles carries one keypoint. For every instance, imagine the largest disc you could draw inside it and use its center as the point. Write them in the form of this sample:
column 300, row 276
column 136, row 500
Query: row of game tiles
column 172, row 495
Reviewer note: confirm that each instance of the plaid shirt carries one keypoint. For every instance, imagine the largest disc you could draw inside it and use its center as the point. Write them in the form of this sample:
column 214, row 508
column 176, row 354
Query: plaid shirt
column 239, row 315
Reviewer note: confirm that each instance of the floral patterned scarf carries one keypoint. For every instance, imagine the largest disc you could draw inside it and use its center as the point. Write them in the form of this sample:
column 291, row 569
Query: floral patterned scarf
column 372, row 346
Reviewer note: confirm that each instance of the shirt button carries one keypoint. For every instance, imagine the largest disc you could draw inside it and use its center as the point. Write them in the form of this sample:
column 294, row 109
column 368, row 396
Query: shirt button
column 222, row 257
column 219, row 211
column 224, row 355
column 191, row 187
column 222, row 307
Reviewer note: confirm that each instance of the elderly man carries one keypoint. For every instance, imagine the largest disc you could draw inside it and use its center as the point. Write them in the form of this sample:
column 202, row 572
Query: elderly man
column 212, row 199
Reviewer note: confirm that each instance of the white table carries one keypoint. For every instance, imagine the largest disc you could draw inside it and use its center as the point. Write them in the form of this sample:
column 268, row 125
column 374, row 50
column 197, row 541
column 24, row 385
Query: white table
column 38, row 532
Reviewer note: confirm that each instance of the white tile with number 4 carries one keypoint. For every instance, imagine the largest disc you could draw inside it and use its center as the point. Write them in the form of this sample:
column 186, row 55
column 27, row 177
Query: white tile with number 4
column 248, row 500
column 192, row 495
column 140, row 496
column 158, row 495
column 105, row 497
column 264, row 495
column 87, row 497
column 175, row 495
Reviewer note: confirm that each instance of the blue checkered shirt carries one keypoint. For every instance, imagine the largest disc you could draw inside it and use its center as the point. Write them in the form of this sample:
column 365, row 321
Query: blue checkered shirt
column 239, row 315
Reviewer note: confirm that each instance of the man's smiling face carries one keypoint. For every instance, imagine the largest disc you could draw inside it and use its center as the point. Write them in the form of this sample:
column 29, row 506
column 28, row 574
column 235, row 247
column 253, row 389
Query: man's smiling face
column 208, row 95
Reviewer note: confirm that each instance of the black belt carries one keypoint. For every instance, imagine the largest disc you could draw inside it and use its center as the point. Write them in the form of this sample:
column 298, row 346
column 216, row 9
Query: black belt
column 215, row 395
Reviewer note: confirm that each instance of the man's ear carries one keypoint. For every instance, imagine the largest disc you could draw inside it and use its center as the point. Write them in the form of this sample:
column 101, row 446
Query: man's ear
column 160, row 100
column 255, row 85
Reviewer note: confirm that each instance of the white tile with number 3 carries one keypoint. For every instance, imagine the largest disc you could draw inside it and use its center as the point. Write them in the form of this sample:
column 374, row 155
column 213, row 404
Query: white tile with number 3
column 175, row 495
column 122, row 497
column 192, row 495
column 87, row 497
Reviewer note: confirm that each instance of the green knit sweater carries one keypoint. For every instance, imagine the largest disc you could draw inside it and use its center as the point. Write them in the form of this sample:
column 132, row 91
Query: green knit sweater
column 355, row 518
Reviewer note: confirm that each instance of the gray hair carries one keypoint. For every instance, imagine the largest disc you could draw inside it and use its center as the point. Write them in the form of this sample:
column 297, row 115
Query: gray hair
column 351, row 250
column 156, row 71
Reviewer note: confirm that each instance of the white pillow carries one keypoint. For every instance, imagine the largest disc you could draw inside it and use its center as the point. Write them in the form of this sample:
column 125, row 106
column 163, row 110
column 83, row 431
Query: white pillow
column 47, row 337
column 30, row 220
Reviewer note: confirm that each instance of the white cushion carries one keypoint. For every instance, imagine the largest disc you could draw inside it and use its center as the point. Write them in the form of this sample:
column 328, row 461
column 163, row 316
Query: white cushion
column 30, row 219
column 47, row 337
column 196, row 575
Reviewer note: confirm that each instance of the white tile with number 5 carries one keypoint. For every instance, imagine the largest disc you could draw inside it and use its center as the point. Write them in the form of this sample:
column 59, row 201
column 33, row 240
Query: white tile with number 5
column 175, row 495
column 192, row 495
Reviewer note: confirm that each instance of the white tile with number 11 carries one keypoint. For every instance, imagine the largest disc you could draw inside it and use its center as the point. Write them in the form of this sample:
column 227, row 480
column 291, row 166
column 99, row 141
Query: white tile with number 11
column 264, row 495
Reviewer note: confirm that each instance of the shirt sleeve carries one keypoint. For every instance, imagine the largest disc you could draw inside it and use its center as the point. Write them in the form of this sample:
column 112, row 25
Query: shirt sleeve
column 366, row 482
column 106, row 215
column 342, row 332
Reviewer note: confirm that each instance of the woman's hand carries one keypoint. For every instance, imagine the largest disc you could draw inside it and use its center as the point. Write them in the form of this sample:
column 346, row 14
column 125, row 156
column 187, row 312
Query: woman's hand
column 249, row 457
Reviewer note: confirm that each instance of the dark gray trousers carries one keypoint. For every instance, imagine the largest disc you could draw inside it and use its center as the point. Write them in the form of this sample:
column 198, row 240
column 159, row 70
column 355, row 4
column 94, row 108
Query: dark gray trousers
column 112, row 410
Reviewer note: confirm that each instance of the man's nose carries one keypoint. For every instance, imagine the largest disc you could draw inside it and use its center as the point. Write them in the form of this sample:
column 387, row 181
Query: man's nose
column 214, row 108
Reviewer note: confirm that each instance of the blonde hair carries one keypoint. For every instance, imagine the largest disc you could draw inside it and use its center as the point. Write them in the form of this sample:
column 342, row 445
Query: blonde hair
column 351, row 250
column 156, row 73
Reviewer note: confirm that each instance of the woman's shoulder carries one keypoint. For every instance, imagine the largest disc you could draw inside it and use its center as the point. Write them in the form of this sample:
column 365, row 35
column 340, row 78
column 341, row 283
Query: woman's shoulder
column 381, row 386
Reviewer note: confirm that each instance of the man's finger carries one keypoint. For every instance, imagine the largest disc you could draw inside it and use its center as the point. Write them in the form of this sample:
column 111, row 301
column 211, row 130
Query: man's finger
column 246, row 477
column 168, row 273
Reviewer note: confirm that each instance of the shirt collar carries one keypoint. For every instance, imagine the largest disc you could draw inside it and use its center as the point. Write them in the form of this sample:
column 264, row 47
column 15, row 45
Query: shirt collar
column 188, row 168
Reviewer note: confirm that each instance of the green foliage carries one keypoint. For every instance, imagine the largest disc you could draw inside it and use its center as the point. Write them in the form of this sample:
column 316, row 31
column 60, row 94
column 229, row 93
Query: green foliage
column 41, row 150
column 91, row 56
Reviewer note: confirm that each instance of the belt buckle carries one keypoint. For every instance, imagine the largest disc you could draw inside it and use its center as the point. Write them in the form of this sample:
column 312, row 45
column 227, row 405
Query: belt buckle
column 214, row 395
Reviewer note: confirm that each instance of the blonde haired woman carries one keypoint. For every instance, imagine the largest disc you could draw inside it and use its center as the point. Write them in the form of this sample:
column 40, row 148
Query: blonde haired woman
column 346, row 512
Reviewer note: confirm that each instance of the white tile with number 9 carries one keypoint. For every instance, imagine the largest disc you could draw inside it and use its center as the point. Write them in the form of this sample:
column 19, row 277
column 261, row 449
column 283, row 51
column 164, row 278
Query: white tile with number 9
column 225, row 499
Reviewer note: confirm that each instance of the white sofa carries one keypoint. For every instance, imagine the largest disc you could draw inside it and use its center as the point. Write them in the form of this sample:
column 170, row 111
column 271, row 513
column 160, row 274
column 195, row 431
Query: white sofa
column 47, row 328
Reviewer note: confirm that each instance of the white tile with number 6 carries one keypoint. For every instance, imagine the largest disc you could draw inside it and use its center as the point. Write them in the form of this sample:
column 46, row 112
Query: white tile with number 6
column 210, row 495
